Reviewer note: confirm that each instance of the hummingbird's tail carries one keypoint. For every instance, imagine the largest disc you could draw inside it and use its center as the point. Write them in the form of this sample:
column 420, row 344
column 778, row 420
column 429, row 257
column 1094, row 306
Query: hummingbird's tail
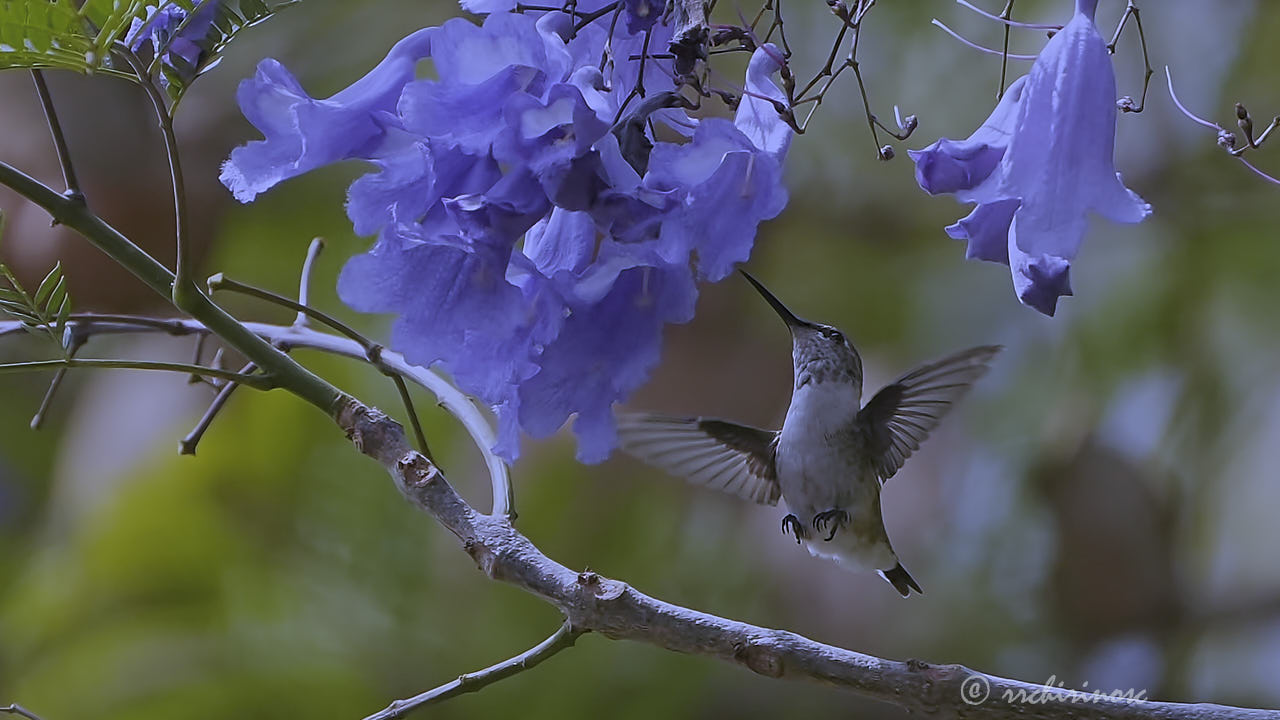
column 901, row 580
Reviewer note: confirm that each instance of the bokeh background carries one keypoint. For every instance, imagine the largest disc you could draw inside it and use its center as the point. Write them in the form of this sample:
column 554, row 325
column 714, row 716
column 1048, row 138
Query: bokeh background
column 1102, row 509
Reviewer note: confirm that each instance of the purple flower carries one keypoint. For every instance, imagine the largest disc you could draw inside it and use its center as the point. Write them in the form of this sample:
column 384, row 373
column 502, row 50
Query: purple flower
column 520, row 245
column 169, row 31
column 303, row 133
column 1041, row 161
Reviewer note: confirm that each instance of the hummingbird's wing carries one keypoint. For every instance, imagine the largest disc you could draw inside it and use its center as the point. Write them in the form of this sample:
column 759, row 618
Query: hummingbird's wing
column 720, row 455
column 898, row 419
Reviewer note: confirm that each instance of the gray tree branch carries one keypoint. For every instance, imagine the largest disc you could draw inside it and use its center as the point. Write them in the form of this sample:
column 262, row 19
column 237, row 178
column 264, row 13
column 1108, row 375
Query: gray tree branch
column 593, row 603
column 471, row 682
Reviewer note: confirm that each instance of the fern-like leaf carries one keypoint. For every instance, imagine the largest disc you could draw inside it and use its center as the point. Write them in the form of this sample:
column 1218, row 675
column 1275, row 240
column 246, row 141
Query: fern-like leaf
column 44, row 314
column 229, row 19
column 82, row 35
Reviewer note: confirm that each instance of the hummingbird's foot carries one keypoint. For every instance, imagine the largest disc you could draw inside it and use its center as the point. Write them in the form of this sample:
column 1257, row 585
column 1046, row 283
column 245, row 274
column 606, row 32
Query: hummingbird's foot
column 792, row 524
column 835, row 516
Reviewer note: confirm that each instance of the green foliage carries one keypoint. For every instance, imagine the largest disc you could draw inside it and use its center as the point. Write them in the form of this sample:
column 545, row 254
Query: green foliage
column 43, row 314
column 58, row 34
column 230, row 18
column 48, row 34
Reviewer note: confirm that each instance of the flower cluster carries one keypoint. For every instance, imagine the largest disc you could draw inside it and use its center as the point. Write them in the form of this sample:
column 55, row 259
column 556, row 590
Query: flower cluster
column 167, row 30
column 1041, row 161
column 543, row 205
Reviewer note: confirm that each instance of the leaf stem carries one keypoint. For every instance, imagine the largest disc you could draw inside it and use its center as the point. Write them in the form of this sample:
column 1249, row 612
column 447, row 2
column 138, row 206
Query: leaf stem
column 260, row 382
column 471, row 682
column 187, row 445
column 284, row 371
column 59, row 139
column 373, row 351
column 184, row 286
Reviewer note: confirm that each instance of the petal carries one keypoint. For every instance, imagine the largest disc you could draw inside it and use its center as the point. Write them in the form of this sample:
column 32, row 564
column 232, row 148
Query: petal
column 604, row 352
column 415, row 174
column 1061, row 160
column 720, row 216
column 963, row 166
column 506, row 210
column 1041, row 275
column 642, row 14
column 987, row 230
column 303, row 133
column 563, row 241
column 725, row 187
column 545, row 133
column 468, row 116
column 455, row 307
column 1040, row 281
column 467, row 54
column 481, row 7
column 757, row 117
column 948, row 166
column 1118, row 203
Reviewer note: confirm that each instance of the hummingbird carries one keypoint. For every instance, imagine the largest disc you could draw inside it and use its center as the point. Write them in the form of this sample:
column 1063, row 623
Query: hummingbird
column 832, row 455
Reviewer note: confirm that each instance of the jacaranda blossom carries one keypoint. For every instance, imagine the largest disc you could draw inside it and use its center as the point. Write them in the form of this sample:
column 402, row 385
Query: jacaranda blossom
column 168, row 30
column 534, row 234
column 1039, row 164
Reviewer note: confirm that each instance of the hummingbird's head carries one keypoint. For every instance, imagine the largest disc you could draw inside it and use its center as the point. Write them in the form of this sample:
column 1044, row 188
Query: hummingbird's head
column 819, row 353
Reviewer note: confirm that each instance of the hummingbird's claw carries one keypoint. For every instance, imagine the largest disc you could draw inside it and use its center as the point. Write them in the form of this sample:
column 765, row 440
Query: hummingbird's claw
column 835, row 516
column 792, row 524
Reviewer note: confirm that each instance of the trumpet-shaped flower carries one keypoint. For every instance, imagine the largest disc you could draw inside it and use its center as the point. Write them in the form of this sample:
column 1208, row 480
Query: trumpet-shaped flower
column 175, row 33
column 534, row 235
column 1039, row 164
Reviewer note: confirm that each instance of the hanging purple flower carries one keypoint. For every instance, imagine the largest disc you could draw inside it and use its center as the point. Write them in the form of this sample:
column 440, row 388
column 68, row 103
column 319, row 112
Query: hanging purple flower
column 1039, row 164
column 534, row 235
column 169, row 30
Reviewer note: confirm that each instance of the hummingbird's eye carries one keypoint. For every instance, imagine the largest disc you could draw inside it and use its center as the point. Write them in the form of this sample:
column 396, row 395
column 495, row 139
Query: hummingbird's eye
column 832, row 334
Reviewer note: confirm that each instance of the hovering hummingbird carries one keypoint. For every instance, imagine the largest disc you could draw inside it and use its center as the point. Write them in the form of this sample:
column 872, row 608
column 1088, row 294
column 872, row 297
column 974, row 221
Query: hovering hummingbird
column 832, row 455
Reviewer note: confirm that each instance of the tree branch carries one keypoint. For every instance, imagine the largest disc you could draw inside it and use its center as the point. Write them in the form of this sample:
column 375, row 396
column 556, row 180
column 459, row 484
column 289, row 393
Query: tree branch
column 287, row 373
column 593, row 603
column 614, row 609
column 15, row 709
column 471, row 682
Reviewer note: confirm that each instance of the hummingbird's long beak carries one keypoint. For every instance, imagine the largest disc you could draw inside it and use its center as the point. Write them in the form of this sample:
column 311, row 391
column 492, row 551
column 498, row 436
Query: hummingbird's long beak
column 787, row 316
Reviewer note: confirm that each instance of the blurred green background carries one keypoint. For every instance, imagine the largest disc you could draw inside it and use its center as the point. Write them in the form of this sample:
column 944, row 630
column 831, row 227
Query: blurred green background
column 1102, row 509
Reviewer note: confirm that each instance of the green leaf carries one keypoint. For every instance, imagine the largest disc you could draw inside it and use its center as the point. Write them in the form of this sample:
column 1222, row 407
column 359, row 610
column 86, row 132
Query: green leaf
column 47, row 286
column 231, row 17
column 46, row 313
column 81, row 35
column 58, row 34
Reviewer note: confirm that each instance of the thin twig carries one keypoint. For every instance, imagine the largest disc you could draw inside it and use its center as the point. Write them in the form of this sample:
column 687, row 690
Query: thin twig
column 452, row 400
column 220, row 281
column 304, row 282
column 594, row 603
column 196, row 357
column 260, row 382
column 591, row 602
column 373, row 351
column 59, row 139
column 73, row 346
column 183, row 283
column 187, row 445
column 1003, row 18
column 1126, row 103
column 1006, row 14
column 471, row 682
column 15, row 709
column 777, row 24
column 1226, row 138
column 980, row 48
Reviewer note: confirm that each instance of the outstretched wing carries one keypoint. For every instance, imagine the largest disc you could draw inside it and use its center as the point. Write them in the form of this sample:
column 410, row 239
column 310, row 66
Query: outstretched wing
column 720, row 455
column 899, row 418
